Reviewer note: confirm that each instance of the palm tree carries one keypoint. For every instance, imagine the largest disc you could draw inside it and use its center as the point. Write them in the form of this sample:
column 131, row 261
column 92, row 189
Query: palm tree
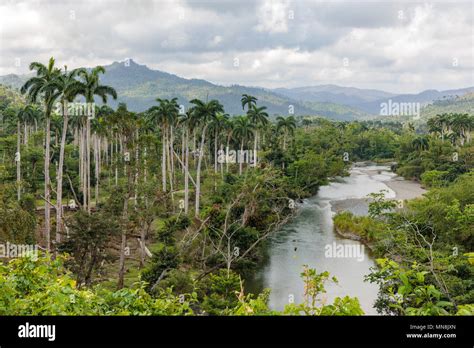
column 420, row 143
column 259, row 118
column 202, row 113
column 462, row 124
column 185, row 120
column 443, row 121
column 248, row 100
column 92, row 87
column 69, row 88
column 288, row 125
column 22, row 115
column 453, row 137
column 243, row 131
column 216, row 125
column 434, row 125
column 165, row 114
column 41, row 86
column 98, row 127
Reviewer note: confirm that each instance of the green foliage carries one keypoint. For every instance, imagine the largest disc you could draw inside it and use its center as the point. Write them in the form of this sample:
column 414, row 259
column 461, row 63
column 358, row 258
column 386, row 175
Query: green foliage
column 362, row 226
column 166, row 233
column 88, row 243
column 313, row 303
column 164, row 259
column 18, row 220
column 379, row 206
column 223, row 293
column 434, row 178
column 405, row 292
column 42, row 286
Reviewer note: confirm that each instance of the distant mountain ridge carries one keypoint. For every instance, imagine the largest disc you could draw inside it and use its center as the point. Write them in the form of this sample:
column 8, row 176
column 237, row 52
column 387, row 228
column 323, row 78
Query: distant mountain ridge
column 139, row 86
column 366, row 100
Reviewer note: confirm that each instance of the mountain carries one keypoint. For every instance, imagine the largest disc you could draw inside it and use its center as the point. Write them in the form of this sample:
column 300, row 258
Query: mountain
column 366, row 100
column 424, row 98
column 349, row 96
column 461, row 104
column 138, row 86
column 12, row 80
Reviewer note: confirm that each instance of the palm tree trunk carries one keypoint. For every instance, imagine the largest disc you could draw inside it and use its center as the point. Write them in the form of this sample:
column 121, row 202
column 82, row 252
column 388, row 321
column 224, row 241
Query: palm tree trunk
column 18, row 163
column 123, row 243
column 255, row 160
column 47, row 212
column 84, row 168
column 116, row 161
column 222, row 164
column 170, row 165
column 186, row 174
column 163, row 158
column 198, row 173
column 145, row 171
column 97, row 169
column 59, row 188
column 226, row 152
column 79, row 145
column 215, row 152
column 240, row 157
column 137, row 166
column 25, row 140
column 171, row 157
column 182, row 150
column 88, row 164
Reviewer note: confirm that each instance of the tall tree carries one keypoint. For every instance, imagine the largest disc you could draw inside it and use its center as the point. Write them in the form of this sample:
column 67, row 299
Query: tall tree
column 23, row 115
column 91, row 88
column 243, row 131
column 69, row 87
column 248, row 100
column 165, row 114
column 40, row 86
column 203, row 112
column 287, row 125
column 259, row 118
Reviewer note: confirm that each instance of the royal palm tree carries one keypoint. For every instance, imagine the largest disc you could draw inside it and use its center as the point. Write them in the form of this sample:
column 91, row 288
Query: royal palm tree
column 203, row 113
column 462, row 124
column 70, row 88
column 186, row 121
column 165, row 114
column 92, row 87
column 443, row 121
column 40, row 86
column 248, row 100
column 216, row 126
column 243, row 131
column 259, row 118
column 23, row 115
column 420, row 143
column 287, row 125
column 433, row 126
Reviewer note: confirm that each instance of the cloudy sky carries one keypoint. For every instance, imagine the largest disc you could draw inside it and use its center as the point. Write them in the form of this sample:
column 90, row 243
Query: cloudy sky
column 398, row 46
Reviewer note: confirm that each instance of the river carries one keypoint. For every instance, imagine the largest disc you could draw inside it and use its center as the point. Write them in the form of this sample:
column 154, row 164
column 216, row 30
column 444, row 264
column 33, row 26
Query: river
column 304, row 239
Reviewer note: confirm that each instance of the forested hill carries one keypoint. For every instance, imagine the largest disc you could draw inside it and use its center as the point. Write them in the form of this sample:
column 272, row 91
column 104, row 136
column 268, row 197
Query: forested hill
column 462, row 104
column 138, row 86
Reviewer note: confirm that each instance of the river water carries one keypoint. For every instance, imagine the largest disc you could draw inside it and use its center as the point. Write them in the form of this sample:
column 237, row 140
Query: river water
column 304, row 240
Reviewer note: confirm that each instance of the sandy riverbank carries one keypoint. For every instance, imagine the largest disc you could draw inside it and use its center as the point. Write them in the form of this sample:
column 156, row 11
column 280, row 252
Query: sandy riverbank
column 401, row 190
column 405, row 189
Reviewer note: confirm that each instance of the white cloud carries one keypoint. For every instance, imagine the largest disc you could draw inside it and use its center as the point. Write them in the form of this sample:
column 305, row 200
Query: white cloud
column 273, row 16
column 197, row 39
